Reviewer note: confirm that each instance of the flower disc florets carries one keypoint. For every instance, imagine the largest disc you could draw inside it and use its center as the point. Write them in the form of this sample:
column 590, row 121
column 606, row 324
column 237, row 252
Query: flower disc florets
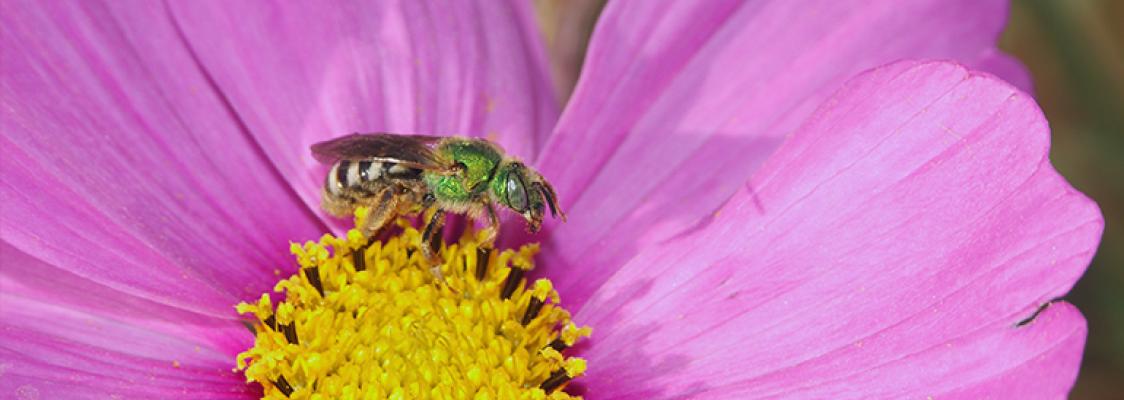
column 370, row 321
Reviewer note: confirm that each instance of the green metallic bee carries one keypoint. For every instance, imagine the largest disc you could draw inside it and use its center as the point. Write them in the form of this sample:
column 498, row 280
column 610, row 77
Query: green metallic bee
column 400, row 174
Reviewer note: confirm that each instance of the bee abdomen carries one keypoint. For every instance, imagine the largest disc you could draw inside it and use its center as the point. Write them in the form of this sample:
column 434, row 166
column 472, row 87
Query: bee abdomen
column 397, row 171
column 347, row 174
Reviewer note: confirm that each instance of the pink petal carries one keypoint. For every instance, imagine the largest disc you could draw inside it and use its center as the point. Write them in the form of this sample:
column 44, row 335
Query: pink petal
column 301, row 72
column 680, row 102
column 25, row 276
column 1007, row 67
column 123, row 164
column 54, row 352
column 64, row 335
column 888, row 249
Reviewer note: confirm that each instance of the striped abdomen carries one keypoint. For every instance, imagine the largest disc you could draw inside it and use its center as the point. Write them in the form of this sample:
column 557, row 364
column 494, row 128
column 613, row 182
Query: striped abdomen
column 347, row 174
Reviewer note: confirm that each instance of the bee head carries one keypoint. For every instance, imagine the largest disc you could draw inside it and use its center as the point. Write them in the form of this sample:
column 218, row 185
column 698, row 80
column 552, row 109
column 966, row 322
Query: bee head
column 524, row 191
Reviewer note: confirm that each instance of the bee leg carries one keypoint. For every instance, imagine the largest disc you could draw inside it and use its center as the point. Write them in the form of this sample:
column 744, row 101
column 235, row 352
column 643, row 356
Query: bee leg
column 382, row 211
column 431, row 242
column 493, row 228
column 428, row 200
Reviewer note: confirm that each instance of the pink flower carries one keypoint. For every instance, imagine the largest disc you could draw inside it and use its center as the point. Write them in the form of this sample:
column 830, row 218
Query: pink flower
column 751, row 214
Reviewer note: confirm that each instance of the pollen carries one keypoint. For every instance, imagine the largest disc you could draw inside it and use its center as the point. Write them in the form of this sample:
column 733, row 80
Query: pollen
column 369, row 320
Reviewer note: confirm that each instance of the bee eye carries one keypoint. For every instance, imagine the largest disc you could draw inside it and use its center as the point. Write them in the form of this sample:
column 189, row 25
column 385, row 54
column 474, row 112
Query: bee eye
column 516, row 193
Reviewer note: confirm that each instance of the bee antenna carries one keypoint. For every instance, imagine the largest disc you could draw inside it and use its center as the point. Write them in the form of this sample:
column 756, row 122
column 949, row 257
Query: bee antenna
column 548, row 192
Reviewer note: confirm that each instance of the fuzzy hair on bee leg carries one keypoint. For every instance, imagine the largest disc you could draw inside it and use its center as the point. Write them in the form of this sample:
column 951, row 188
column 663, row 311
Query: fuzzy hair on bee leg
column 432, row 233
column 493, row 228
column 431, row 242
column 383, row 210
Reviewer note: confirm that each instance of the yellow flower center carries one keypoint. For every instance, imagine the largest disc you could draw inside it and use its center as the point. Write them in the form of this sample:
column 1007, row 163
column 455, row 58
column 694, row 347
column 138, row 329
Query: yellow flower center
column 370, row 321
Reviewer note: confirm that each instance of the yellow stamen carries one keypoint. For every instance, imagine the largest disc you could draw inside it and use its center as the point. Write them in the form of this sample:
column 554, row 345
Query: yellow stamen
column 380, row 326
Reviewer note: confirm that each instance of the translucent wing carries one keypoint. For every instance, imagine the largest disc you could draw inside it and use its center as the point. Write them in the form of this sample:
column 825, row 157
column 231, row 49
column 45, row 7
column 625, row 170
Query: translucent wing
column 410, row 150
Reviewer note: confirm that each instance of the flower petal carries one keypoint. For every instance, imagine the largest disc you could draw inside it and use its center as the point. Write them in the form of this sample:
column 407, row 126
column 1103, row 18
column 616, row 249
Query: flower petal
column 301, row 72
column 124, row 165
column 680, row 102
column 888, row 249
column 25, row 276
column 62, row 332
column 1005, row 66
column 50, row 351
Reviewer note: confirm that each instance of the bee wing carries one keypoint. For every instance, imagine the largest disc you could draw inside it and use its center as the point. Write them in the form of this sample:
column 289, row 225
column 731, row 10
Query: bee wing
column 410, row 150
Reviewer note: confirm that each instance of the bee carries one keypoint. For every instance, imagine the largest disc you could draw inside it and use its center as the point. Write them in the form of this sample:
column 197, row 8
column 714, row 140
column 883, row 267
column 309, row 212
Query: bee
column 397, row 175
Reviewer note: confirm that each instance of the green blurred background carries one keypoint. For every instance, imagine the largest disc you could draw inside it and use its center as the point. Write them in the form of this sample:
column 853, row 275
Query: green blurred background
column 1075, row 52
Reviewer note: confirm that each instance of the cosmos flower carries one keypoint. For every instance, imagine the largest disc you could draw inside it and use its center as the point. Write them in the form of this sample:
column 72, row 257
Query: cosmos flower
column 765, row 200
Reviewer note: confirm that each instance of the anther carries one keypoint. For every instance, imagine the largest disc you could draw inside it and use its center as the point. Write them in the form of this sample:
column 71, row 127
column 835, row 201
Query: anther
column 558, row 344
column 250, row 325
column 556, row 379
column 358, row 259
column 532, row 310
column 313, row 275
column 283, row 385
column 482, row 256
column 511, row 283
column 290, row 332
column 271, row 322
